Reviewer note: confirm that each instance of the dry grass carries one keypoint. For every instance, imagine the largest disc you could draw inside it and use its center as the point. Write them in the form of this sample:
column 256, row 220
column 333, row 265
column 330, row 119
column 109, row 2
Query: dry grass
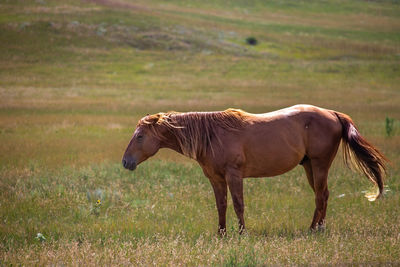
column 209, row 251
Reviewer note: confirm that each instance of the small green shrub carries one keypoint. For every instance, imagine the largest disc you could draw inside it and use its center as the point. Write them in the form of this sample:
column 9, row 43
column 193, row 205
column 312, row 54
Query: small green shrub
column 251, row 40
column 389, row 126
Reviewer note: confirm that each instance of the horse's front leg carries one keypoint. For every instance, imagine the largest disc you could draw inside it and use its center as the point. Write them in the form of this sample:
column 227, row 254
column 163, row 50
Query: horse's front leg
column 220, row 191
column 235, row 183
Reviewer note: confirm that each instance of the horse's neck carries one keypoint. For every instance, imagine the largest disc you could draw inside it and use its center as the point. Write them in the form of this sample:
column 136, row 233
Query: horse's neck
column 170, row 142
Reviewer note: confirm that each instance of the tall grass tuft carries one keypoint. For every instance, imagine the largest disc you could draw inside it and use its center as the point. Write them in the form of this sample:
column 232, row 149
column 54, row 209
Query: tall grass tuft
column 389, row 126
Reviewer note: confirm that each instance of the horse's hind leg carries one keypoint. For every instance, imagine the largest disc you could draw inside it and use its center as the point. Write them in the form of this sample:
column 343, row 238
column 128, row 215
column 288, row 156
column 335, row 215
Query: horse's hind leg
column 310, row 177
column 320, row 178
column 308, row 168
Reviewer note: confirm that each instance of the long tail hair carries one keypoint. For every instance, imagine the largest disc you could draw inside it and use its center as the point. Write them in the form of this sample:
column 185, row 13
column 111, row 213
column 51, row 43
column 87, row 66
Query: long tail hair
column 357, row 151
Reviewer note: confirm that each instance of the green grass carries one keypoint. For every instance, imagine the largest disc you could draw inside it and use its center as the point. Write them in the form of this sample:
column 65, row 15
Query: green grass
column 76, row 76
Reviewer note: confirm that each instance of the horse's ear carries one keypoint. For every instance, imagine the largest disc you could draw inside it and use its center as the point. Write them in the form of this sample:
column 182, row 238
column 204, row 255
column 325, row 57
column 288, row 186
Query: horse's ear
column 152, row 119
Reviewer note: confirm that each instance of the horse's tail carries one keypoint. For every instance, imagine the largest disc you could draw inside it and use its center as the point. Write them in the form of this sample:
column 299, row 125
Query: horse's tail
column 357, row 151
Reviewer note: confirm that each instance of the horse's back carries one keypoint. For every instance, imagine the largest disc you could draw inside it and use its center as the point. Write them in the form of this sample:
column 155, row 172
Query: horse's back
column 299, row 119
column 275, row 142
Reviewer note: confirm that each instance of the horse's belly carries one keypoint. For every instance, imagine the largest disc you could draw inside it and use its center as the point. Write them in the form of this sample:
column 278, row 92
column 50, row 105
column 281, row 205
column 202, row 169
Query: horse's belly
column 269, row 168
column 273, row 147
column 272, row 161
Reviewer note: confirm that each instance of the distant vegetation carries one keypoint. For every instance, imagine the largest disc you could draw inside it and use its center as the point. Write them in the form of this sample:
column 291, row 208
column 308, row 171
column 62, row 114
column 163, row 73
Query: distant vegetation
column 75, row 76
column 389, row 126
column 251, row 40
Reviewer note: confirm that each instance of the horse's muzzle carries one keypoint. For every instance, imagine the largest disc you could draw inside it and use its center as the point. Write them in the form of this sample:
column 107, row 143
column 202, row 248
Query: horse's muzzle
column 129, row 163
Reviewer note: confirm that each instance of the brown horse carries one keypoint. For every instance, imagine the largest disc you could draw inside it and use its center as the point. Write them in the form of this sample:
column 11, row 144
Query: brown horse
column 232, row 144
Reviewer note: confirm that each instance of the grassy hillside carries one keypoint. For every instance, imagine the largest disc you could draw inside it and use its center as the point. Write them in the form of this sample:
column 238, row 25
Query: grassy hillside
column 75, row 76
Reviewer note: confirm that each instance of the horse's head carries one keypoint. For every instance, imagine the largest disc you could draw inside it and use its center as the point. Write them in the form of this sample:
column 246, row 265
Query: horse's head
column 144, row 143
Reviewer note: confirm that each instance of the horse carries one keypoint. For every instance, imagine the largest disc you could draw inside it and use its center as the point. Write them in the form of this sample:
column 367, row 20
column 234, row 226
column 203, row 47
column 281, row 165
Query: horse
column 233, row 144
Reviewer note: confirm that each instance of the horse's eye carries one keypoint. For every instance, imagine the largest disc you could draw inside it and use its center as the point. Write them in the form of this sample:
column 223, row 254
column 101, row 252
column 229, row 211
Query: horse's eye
column 139, row 137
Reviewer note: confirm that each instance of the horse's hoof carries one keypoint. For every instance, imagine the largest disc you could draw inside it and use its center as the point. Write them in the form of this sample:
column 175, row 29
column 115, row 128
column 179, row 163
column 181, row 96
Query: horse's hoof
column 222, row 232
column 312, row 230
column 242, row 232
column 321, row 228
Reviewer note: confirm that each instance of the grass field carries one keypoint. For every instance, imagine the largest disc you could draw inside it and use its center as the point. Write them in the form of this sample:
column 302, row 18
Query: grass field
column 75, row 76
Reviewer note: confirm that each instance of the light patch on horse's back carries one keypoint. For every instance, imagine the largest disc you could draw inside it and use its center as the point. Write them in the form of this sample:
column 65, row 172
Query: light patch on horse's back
column 287, row 112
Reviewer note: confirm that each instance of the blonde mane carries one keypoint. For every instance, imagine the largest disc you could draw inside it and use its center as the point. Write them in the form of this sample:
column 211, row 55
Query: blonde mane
column 195, row 132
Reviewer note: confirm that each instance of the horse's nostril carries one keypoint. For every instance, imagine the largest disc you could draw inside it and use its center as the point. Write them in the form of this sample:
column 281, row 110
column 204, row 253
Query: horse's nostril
column 129, row 163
